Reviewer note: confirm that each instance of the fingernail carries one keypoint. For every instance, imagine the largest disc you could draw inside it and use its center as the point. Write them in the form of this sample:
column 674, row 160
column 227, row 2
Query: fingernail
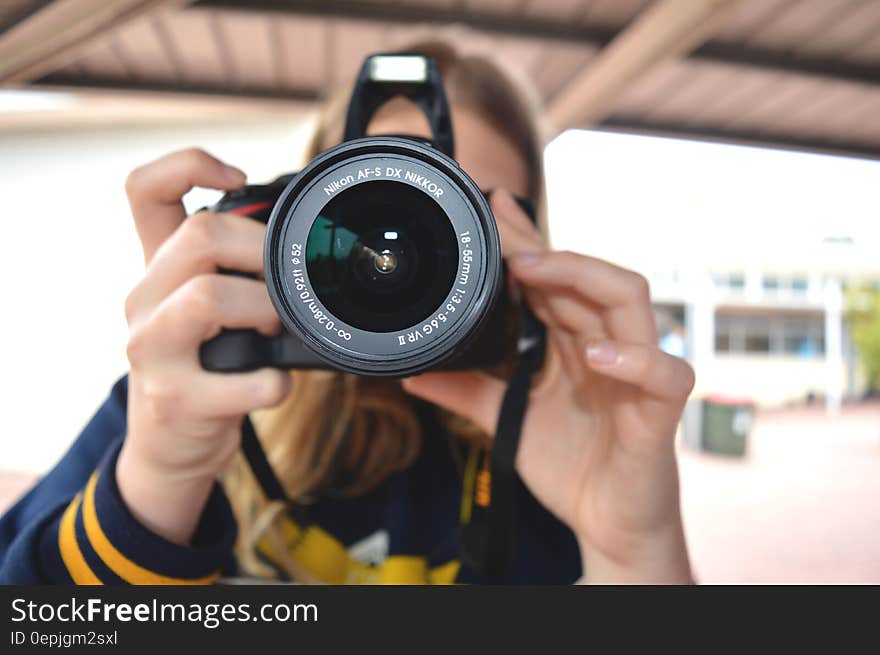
column 602, row 353
column 526, row 259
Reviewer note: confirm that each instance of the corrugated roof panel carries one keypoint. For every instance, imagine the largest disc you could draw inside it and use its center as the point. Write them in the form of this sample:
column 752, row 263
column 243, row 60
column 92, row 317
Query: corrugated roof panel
column 868, row 51
column 193, row 34
column 148, row 56
column 300, row 40
column 819, row 112
column 523, row 54
column 861, row 121
column 860, row 26
column 614, row 12
column 749, row 15
column 250, row 44
column 740, row 94
column 787, row 94
column 353, row 41
column 556, row 66
column 99, row 60
column 442, row 4
column 494, row 6
column 799, row 23
column 700, row 84
column 737, row 86
column 663, row 80
column 11, row 11
column 565, row 10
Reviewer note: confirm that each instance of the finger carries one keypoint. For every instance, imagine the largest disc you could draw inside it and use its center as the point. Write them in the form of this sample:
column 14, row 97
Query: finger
column 569, row 312
column 472, row 394
column 519, row 236
column 155, row 191
column 563, row 309
column 190, row 393
column 197, row 311
column 205, row 243
column 517, row 233
column 224, row 395
column 623, row 295
column 507, row 211
column 650, row 369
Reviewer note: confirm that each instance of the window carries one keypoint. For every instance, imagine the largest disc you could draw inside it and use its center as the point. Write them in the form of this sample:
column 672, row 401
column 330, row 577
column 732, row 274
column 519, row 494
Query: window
column 757, row 343
column 779, row 285
column 730, row 282
column 778, row 335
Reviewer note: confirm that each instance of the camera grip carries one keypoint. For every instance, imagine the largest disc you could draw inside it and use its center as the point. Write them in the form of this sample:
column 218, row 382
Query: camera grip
column 235, row 351
column 242, row 350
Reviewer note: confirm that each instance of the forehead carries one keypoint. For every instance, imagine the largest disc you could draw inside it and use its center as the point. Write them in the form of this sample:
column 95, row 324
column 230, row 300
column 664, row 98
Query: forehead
column 483, row 151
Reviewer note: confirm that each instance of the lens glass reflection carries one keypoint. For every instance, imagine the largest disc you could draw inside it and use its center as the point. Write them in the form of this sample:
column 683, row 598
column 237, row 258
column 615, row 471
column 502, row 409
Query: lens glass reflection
column 382, row 256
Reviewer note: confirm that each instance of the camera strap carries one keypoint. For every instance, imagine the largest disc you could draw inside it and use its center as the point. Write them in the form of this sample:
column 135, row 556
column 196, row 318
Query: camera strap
column 259, row 464
column 487, row 537
column 487, row 541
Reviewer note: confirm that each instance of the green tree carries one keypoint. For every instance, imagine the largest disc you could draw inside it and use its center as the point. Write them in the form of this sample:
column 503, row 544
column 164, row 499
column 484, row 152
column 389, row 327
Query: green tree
column 863, row 317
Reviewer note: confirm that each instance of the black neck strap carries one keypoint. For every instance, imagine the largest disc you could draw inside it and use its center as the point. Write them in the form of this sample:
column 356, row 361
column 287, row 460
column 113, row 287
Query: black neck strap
column 261, row 468
column 488, row 538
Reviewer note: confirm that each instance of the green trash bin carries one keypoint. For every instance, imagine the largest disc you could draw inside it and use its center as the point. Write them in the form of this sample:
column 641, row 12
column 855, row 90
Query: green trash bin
column 726, row 424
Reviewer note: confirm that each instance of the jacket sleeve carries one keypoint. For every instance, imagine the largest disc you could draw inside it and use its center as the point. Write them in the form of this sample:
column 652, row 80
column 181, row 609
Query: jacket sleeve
column 73, row 527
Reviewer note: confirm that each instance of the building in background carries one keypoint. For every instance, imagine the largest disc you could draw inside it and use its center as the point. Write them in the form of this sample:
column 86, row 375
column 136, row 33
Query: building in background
column 771, row 335
column 748, row 252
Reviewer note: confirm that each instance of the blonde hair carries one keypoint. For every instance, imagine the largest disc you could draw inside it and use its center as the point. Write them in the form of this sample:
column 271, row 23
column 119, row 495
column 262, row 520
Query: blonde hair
column 340, row 434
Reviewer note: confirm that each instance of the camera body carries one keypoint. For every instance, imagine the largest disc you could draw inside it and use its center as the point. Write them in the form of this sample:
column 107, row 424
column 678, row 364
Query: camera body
column 381, row 256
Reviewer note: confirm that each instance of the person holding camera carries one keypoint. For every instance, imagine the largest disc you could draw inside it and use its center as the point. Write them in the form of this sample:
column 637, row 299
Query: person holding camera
column 374, row 478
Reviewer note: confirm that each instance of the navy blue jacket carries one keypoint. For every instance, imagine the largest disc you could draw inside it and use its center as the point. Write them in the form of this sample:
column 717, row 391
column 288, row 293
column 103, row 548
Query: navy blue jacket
column 73, row 527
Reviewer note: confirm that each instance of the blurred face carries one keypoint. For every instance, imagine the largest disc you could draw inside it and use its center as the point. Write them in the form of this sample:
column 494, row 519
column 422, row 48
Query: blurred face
column 484, row 153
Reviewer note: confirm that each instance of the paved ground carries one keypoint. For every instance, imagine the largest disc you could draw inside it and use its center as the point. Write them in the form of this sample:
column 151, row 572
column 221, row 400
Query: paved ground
column 803, row 506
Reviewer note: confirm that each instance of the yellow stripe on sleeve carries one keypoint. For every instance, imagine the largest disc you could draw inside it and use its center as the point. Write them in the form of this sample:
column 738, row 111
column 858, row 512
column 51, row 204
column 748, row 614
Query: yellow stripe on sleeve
column 115, row 560
column 71, row 555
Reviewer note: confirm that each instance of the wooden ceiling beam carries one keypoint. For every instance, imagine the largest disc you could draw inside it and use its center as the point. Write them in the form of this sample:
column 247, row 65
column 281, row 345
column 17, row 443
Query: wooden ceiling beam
column 665, row 30
column 49, row 38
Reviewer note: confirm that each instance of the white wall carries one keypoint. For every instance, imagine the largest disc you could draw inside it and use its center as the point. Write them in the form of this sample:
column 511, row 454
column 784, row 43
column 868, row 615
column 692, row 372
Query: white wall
column 69, row 256
column 767, row 380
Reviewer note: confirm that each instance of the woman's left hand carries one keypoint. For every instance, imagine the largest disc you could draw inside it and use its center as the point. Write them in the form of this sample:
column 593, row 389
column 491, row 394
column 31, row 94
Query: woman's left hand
column 597, row 442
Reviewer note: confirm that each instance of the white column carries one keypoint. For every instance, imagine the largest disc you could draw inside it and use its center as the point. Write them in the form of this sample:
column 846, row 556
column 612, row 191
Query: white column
column 700, row 320
column 754, row 290
column 833, row 345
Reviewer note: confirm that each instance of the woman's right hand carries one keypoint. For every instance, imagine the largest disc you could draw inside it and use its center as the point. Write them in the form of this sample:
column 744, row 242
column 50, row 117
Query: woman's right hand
column 184, row 423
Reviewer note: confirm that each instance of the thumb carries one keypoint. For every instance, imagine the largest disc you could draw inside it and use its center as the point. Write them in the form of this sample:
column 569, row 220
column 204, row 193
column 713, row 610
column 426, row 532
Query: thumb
column 471, row 394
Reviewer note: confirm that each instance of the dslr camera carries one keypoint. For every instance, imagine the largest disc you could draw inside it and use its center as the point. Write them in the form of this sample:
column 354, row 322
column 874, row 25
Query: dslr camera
column 382, row 256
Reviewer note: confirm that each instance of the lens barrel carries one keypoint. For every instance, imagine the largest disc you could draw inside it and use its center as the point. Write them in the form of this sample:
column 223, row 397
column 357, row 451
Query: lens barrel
column 383, row 256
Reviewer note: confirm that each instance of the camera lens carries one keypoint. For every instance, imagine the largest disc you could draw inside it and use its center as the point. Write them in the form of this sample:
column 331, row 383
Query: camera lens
column 381, row 256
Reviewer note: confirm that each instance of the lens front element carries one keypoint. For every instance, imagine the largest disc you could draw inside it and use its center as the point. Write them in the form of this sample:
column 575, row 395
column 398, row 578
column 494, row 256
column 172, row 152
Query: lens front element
column 381, row 256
